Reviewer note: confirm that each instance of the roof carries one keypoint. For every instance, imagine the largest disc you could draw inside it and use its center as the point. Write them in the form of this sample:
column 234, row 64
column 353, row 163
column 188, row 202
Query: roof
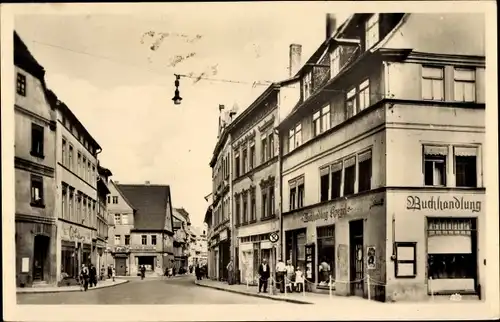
column 184, row 214
column 208, row 213
column 25, row 60
column 150, row 202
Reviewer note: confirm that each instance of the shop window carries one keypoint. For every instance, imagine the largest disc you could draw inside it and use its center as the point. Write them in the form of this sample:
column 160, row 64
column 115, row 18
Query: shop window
column 406, row 259
column 37, row 191
column 336, row 170
column 465, row 167
column 153, row 239
column 364, row 171
column 326, row 254
column 450, row 251
column 144, row 239
column 37, row 138
column 465, row 85
column 435, row 165
column 21, row 84
column 301, row 251
column 349, row 176
column 432, row 83
column 324, row 184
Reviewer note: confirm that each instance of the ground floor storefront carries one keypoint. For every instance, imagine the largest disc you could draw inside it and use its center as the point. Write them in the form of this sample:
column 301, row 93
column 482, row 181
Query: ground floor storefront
column 342, row 241
column 75, row 247
column 128, row 263
column 439, row 247
column 219, row 255
column 35, row 240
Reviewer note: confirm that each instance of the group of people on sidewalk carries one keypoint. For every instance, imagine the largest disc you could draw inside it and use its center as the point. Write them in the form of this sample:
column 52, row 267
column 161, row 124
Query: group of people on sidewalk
column 88, row 276
column 286, row 277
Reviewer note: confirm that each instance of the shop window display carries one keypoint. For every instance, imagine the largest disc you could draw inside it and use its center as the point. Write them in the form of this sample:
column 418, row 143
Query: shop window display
column 326, row 254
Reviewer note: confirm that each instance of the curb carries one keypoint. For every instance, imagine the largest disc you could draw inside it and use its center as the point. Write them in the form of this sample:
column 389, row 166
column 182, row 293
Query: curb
column 269, row 297
column 72, row 290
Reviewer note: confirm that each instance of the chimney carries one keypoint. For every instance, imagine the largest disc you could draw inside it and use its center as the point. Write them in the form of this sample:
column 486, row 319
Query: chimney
column 331, row 25
column 295, row 57
column 147, row 183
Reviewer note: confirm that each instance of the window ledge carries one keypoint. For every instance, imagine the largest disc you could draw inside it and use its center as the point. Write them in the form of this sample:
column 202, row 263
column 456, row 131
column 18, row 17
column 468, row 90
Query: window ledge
column 36, row 155
column 268, row 218
column 37, row 205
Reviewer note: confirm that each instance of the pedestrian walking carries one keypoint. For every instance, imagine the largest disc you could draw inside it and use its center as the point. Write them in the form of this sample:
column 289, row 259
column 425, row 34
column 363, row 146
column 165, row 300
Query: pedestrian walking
column 110, row 271
column 84, row 278
column 230, row 268
column 263, row 275
column 113, row 273
column 143, row 272
column 197, row 272
column 93, row 276
column 280, row 274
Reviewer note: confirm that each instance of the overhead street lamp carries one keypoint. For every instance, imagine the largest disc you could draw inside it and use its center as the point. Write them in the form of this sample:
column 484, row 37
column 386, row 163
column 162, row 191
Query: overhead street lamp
column 177, row 98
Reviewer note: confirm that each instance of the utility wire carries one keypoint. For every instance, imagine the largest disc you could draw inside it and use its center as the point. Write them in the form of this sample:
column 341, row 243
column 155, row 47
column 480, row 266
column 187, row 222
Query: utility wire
column 190, row 76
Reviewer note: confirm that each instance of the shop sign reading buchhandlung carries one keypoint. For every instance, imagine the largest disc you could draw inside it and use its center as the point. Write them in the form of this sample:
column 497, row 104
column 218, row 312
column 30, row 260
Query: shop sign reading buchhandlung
column 440, row 204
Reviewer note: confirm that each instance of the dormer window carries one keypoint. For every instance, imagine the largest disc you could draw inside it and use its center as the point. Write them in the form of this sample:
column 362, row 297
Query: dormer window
column 335, row 62
column 307, row 85
column 372, row 31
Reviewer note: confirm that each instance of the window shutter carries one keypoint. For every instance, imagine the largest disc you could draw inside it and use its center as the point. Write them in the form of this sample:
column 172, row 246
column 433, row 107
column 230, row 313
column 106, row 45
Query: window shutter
column 365, row 156
column 349, row 162
column 324, row 171
column 466, row 151
column 435, row 150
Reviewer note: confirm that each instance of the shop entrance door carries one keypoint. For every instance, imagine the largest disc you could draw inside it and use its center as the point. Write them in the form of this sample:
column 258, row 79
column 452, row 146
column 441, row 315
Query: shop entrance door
column 40, row 253
column 356, row 257
column 120, row 266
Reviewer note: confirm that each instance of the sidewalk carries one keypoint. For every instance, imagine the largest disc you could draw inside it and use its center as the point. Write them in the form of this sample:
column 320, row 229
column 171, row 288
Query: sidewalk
column 74, row 288
column 298, row 298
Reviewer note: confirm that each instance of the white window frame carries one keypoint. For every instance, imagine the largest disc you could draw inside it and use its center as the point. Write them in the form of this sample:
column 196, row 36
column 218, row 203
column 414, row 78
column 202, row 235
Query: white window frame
column 307, row 85
column 439, row 80
column 372, row 31
column 364, row 95
column 335, row 62
column 460, row 81
column 351, row 97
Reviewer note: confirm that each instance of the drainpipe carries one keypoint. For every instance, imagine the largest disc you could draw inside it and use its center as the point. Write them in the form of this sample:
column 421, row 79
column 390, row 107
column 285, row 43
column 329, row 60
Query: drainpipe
column 280, row 178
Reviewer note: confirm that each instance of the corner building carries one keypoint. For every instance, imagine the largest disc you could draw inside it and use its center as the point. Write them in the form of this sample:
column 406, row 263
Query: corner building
column 382, row 168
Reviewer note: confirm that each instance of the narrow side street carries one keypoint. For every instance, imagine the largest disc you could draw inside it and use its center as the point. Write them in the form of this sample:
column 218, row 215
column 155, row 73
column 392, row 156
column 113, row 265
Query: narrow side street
column 155, row 290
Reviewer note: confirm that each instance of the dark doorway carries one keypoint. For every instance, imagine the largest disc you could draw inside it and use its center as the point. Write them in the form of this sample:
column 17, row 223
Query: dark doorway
column 356, row 257
column 121, row 266
column 40, row 255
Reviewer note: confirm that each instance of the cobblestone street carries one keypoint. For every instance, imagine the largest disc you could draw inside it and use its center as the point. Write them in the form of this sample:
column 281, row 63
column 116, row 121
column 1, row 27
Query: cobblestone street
column 179, row 290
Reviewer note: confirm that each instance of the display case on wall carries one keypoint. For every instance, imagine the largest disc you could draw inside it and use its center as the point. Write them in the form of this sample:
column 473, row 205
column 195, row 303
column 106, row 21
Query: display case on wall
column 310, row 265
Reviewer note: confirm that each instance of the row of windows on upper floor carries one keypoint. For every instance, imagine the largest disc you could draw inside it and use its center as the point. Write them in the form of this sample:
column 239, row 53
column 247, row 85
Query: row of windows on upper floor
column 246, row 206
column 359, row 98
column 144, row 240
column 121, row 219
column 21, row 89
column 221, row 212
column 83, row 167
column 245, row 157
column 77, row 207
column 339, row 178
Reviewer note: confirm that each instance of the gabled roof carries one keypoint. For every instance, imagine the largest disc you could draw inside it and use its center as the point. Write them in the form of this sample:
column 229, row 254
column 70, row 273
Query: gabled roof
column 184, row 214
column 25, row 60
column 150, row 202
column 122, row 195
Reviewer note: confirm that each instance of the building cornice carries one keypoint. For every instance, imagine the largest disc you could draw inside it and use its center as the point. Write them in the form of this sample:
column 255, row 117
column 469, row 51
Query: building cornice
column 27, row 165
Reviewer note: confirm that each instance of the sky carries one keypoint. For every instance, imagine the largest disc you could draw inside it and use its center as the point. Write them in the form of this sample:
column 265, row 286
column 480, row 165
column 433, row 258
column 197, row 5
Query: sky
column 116, row 73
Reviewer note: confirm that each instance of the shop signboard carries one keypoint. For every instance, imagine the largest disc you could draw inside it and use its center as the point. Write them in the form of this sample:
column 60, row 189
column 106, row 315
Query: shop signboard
column 274, row 237
column 310, row 262
column 76, row 234
column 370, row 257
column 440, row 203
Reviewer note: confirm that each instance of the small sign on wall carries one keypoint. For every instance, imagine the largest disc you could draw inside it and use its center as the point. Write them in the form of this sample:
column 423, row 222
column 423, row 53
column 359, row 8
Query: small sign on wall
column 25, row 267
column 370, row 257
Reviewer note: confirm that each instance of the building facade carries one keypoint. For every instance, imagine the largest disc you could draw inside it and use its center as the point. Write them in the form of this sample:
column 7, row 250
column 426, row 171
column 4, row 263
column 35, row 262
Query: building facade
column 143, row 228
column 382, row 158
column 255, row 168
column 221, row 235
column 182, row 239
column 102, row 216
column 199, row 249
column 35, row 163
column 76, row 197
